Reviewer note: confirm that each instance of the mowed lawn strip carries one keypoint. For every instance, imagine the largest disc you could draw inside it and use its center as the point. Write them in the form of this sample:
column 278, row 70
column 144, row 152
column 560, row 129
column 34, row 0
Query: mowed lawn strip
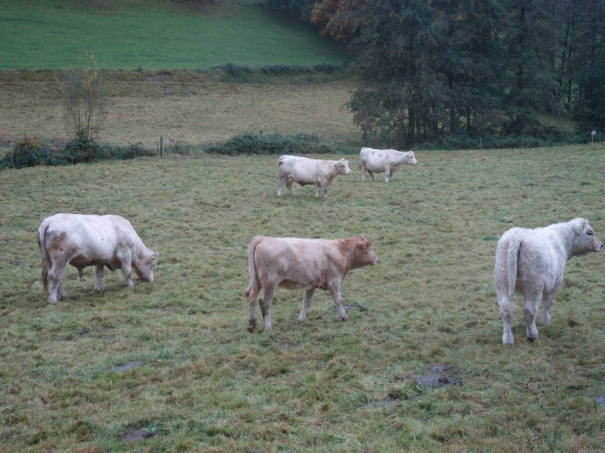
column 207, row 384
column 155, row 34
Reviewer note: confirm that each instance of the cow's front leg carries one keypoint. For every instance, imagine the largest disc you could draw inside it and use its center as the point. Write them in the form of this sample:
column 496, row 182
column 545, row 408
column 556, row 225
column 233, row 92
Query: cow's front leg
column 546, row 304
column 61, row 292
column 335, row 293
column 280, row 184
column 372, row 175
column 127, row 271
column 530, row 307
column 265, row 303
column 99, row 273
column 307, row 299
column 387, row 171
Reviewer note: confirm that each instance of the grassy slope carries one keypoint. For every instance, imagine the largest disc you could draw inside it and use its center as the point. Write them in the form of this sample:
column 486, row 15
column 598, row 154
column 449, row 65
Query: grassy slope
column 154, row 34
column 209, row 385
column 187, row 111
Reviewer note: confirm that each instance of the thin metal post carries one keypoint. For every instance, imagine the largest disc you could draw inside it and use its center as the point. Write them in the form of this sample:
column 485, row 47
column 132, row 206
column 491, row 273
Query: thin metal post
column 161, row 146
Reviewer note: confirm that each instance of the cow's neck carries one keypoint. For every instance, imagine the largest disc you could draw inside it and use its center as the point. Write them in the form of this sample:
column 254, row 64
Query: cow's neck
column 566, row 233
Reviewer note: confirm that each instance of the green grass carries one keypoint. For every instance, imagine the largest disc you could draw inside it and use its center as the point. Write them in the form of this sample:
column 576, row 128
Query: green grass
column 154, row 34
column 208, row 385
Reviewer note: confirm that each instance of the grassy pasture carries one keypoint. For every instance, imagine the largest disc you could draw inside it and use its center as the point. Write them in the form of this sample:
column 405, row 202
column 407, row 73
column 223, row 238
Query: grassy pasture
column 208, row 385
column 155, row 34
column 181, row 106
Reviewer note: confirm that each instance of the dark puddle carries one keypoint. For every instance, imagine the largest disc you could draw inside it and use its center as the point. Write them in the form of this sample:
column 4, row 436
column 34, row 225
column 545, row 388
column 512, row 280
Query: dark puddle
column 128, row 366
column 348, row 308
column 601, row 400
column 136, row 434
column 283, row 344
column 435, row 380
column 16, row 264
column 3, row 242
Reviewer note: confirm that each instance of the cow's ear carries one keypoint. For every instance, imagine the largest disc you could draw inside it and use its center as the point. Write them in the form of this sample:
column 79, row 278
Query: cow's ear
column 154, row 256
column 579, row 226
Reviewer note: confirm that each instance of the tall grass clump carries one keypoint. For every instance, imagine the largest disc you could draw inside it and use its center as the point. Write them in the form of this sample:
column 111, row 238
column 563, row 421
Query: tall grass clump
column 265, row 144
column 83, row 100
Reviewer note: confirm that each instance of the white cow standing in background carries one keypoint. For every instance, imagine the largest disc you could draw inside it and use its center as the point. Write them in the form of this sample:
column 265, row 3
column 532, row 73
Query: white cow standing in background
column 307, row 171
column 389, row 161
column 91, row 240
column 532, row 262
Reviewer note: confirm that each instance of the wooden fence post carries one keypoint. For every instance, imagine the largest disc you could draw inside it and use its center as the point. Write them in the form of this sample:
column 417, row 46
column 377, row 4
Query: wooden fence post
column 161, row 146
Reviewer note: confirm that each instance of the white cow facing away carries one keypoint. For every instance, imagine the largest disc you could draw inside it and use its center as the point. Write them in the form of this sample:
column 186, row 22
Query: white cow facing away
column 91, row 240
column 307, row 171
column 307, row 264
column 388, row 161
column 532, row 262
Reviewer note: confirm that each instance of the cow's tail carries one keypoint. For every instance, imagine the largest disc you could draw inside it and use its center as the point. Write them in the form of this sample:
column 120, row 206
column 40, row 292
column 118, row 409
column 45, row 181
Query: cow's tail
column 44, row 254
column 512, row 258
column 254, row 287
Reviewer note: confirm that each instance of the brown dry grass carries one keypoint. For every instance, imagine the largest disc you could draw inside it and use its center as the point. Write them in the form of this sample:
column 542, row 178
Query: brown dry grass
column 194, row 112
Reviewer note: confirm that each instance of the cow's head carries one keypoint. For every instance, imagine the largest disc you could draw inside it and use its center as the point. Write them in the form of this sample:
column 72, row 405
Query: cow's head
column 411, row 159
column 144, row 264
column 363, row 255
column 343, row 167
column 584, row 240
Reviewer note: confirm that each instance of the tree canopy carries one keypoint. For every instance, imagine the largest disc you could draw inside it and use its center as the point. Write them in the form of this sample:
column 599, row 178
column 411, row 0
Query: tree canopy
column 436, row 68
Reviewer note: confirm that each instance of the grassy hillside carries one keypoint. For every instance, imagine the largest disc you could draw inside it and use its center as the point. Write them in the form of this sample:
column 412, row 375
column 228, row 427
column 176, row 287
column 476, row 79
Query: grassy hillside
column 154, row 34
column 184, row 107
column 208, row 385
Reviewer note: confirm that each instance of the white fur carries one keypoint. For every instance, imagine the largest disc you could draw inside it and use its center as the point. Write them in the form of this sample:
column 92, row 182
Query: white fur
column 388, row 161
column 307, row 171
column 532, row 262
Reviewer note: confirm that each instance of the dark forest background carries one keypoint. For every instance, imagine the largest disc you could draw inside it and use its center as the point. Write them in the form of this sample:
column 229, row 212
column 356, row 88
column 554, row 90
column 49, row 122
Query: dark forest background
column 450, row 72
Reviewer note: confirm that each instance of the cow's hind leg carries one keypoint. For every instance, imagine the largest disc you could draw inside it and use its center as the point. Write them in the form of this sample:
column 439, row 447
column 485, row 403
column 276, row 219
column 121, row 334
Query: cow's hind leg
column 530, row 308
column 362, row 169
column 54, row 281
column 280, row 183
column 507, row 310
column 372, row 175
column 99, row 273
column 289, row 182
column 61, row 292
column 335, row 293
column 546, row 304
column 307, row 299
column 265, row 303
column 252, row 309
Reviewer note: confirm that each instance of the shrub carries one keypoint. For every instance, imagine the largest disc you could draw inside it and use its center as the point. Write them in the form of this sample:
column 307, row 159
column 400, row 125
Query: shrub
column 27, row 153
column 274, row 144
column 82, row 150
column 83, row 101
column 130, row 152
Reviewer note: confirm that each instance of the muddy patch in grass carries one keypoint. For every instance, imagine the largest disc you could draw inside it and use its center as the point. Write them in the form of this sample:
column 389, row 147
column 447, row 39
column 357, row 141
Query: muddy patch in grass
column 348, row 308
column 435, row 380
column 128, row 366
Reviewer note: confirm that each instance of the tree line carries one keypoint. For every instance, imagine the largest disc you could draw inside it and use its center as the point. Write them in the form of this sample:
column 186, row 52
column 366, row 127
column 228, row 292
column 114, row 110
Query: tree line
column 436, row 69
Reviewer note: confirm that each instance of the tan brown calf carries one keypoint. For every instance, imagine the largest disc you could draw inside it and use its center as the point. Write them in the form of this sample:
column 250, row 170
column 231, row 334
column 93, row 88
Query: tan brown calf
column 308, row 264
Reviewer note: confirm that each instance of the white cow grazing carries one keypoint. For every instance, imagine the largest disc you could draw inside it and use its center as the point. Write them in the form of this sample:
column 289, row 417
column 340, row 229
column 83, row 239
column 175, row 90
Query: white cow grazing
column 532, row 262
column 389, row 161
column 91, row 240
column 306, row 171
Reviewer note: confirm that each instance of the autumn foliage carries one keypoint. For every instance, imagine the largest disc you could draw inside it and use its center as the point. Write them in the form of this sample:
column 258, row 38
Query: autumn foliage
column 341, row 20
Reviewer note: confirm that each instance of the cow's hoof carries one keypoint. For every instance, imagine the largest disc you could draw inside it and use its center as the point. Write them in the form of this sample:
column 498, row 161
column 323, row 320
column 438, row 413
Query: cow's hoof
column 301, row 322
column 251, row 327
column 98, row 291
column 51, row 302
column 531, row 339
column 346, row 318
